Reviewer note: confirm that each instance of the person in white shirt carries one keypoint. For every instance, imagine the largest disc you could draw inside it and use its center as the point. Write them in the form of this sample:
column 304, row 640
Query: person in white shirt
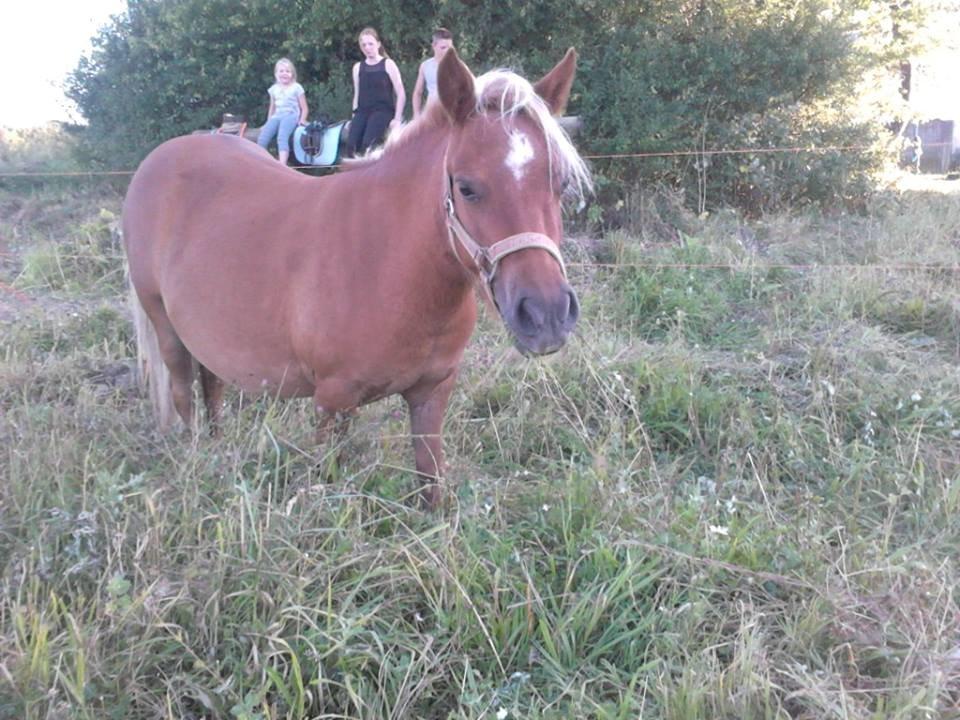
column 427, row 74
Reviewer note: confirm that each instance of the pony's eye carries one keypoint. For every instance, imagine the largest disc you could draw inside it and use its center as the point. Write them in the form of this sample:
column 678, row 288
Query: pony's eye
column 467, row 192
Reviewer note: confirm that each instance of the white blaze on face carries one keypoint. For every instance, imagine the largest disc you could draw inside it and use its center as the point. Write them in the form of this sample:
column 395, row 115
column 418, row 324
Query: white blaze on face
column 521, row 153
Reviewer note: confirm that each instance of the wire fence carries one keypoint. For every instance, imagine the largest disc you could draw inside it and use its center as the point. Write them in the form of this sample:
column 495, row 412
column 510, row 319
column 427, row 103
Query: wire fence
column 770, row 267
column 23, row 295
column 649, row 266
column 812, row 149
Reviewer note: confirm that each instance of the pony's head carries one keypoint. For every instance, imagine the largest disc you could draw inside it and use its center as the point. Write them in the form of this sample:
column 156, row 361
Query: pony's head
column 509, row 166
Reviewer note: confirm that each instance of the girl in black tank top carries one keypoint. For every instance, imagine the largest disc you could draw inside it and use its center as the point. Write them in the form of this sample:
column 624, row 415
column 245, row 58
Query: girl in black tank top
column 377, row 95
column 376, row 88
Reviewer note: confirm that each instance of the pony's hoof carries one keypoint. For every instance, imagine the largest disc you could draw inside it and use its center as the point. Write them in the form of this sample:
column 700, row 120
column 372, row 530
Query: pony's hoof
column 431, row 496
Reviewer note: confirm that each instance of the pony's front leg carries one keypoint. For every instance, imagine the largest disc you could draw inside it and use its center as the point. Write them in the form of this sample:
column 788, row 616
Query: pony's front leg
column 333, row 424
column 427, row 405
column 331, row 437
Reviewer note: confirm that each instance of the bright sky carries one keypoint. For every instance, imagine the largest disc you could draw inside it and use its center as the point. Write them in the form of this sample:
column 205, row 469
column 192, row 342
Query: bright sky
column 40, row 42
column 934, row 92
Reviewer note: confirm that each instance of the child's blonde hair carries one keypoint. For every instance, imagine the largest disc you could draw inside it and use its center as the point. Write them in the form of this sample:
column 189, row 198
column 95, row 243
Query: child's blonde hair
column 286, row 61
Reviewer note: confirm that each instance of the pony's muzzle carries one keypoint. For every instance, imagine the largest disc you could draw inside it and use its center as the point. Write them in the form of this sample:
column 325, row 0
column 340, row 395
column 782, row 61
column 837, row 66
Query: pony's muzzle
column 541, row 324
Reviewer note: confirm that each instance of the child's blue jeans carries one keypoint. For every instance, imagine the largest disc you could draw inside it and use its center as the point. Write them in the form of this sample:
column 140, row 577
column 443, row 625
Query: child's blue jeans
column 280, row 125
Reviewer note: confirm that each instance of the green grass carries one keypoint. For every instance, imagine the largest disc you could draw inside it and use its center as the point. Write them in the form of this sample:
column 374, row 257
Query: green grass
column 735, row 494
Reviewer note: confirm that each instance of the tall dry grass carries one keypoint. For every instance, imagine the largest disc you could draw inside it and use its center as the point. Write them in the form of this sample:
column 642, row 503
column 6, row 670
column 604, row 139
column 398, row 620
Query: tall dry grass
column 736, row 494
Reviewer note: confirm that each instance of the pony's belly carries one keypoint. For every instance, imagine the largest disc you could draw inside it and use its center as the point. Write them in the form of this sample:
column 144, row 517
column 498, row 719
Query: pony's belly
column 259, row 373
column 285, row 386
column 253, row 354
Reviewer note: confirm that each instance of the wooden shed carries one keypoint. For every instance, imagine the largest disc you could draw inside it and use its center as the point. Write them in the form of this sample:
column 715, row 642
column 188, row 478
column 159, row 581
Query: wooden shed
column 938, row 142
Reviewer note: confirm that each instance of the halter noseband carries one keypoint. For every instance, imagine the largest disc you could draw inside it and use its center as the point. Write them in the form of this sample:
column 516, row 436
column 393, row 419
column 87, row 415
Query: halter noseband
column 487, row 259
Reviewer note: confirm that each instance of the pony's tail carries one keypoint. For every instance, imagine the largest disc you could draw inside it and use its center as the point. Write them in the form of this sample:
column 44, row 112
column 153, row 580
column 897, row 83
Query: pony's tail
column 152, row 372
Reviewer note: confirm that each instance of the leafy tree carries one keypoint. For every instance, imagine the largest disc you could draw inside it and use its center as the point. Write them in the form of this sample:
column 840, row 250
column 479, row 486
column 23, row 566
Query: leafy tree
column 655, row 76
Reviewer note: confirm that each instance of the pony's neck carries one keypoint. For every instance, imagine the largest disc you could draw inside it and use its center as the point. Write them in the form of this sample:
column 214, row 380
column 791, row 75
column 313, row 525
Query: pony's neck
column 411, row 173
column 432, row 129
column 413, row 161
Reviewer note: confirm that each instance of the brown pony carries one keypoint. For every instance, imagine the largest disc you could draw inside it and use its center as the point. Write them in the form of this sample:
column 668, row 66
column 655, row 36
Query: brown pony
column 356, row 286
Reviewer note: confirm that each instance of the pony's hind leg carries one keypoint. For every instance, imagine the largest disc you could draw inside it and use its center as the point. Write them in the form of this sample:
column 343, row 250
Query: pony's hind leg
column 164, row 365
column 180, row 363
column 178, row 360
column 212, row 397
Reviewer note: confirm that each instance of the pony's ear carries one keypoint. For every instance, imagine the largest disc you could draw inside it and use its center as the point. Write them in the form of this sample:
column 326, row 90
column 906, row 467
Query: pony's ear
column 554, row 87
column 456, row 87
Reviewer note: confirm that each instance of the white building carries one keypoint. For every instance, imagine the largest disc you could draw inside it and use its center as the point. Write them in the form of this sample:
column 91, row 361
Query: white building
column 935, row 101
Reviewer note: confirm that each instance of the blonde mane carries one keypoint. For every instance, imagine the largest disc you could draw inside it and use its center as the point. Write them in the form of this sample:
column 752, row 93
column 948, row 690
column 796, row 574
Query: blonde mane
column 504, row 92
column 509, row 94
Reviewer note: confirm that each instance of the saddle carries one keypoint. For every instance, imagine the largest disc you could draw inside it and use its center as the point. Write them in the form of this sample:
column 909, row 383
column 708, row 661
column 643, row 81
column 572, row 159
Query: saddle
column 318, row 142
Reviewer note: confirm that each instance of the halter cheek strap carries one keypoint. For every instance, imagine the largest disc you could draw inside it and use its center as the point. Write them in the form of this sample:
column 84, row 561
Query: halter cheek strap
column 487, row 259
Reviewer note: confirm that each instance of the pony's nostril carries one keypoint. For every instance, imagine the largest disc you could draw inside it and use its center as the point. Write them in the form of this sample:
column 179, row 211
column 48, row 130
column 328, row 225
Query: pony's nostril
column 573, row 310
column 530, row 316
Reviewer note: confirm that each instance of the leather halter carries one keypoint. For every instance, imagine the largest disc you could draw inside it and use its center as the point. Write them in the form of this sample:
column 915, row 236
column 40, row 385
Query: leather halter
column 487, row 259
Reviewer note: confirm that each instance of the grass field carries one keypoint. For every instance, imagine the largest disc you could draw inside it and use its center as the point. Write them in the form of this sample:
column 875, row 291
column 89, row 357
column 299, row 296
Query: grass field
column 735, row 494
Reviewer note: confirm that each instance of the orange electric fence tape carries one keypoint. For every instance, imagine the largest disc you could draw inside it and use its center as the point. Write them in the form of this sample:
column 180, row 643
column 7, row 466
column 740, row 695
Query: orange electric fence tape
column 611, row 156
